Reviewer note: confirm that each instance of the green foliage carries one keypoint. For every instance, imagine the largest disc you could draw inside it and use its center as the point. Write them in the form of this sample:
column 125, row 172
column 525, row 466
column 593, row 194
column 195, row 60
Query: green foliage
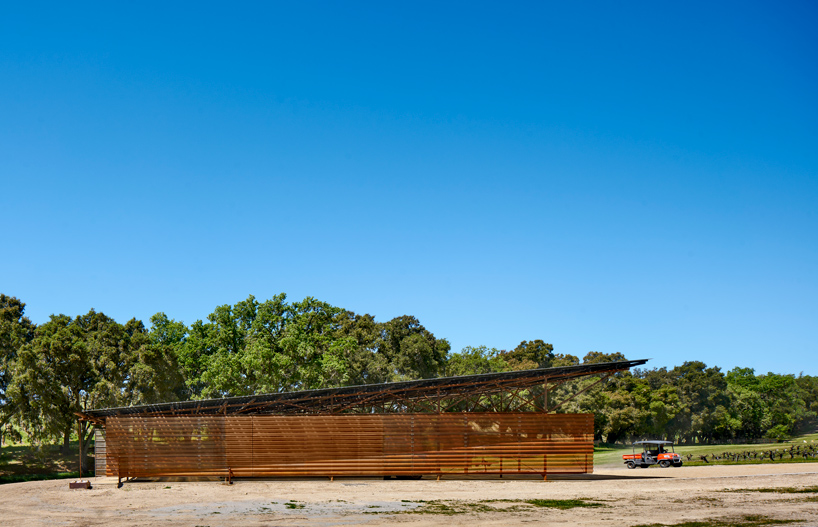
column 563, row 504
column 475, row 360
column 28, row 462
column 745, row 521
column 453, row 507
column 19, row 478
column 91, row 361
column 273, row 346
column 68, row 365
column 16, row 330
column 529, row 355
column 696, row 404
column 783, row 490
column 774, row 406
column 154, row 374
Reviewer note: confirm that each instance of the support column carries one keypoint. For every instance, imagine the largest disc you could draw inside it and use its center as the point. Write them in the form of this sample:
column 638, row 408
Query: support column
column 545, row 396
column 79, row 440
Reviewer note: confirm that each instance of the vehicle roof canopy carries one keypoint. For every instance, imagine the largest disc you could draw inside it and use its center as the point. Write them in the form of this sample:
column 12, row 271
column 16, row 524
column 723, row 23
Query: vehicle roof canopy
column 655, row 442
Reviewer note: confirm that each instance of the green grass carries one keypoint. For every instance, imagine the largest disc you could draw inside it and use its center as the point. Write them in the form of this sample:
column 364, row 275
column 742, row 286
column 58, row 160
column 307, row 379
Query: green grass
column 452, row 507
column 30, row 463
column 563, row 504
column 18, row 478
column 607, row 454
column 745, row 521
column 698, row 463
column 781, row 490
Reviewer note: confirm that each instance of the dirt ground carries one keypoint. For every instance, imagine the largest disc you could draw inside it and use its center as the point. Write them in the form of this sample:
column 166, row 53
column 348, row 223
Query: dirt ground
column 627, row 497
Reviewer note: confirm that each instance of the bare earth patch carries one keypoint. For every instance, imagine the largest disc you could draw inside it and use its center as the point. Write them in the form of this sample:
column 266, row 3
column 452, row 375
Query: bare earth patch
column 692, row 496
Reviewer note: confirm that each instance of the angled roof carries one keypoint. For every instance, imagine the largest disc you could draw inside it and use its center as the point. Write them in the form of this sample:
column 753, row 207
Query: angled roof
column 338, row 400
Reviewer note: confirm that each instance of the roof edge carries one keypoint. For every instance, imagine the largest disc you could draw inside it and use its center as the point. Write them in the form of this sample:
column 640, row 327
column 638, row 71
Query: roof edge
column 436, row 383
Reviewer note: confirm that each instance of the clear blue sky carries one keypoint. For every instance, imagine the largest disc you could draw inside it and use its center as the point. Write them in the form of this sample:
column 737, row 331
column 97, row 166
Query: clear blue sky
column 630, row 177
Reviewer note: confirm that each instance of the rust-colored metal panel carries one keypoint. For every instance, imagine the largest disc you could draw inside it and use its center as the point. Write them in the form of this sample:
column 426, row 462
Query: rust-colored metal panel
column 350, row 444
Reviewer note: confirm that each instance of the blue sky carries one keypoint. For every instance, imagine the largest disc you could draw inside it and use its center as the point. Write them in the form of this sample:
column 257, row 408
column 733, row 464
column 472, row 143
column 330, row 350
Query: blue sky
column 634, row 178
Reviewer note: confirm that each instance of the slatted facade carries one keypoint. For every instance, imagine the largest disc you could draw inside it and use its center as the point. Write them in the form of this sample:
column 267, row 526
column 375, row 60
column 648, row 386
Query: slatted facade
column 100, row 468
column 350, row 444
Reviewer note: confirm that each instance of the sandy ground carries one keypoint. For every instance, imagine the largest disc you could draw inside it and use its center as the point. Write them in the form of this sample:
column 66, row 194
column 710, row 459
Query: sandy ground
column 629, row 497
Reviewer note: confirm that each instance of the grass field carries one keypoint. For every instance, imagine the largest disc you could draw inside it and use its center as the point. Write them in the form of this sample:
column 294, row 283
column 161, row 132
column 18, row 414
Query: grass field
column 607, row 455
column 26, row 463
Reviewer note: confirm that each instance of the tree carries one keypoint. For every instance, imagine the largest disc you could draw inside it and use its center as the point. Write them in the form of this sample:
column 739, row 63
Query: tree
column 71, row 365
column 475, row 360
column 213, row 352
column 785, row 407
column 314, row 353
column 273, row 346
column 15, row 331
column 703, row 400
column 596, row 357
column 363, row 363
column 749, row 411
column 743, row 377
column 625, row 412
column 808, row 386
column 153, row 371
column 529, row 355
column 411, row 350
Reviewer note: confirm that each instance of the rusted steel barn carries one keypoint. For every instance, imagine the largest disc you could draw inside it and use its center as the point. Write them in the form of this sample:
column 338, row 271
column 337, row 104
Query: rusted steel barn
column 495, row 423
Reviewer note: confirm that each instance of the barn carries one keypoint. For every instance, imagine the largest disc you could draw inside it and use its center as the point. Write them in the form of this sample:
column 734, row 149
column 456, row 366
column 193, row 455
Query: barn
column 495, row 423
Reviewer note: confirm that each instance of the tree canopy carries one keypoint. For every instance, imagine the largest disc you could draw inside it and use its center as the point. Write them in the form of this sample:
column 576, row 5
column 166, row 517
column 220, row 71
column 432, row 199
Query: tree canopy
column 67, row 365
column 16, row 330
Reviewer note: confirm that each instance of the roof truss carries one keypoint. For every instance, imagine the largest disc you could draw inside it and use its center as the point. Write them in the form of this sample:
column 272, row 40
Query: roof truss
column 504, row 391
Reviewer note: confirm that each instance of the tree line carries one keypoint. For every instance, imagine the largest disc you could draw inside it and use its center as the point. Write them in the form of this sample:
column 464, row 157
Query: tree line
column 691, row 403
column 48, row 372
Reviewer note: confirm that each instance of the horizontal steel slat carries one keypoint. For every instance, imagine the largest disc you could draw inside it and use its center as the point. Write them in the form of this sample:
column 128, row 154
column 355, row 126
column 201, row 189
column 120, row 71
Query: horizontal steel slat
column 373, row 444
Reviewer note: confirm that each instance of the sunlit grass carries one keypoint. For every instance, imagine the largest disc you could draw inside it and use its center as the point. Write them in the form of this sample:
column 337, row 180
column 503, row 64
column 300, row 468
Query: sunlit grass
column 28, row 463
column 745, row 521
column 607, row 454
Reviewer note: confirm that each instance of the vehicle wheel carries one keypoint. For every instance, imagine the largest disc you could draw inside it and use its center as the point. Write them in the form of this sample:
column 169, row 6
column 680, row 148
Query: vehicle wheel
column 631, row 464
column 664, row 463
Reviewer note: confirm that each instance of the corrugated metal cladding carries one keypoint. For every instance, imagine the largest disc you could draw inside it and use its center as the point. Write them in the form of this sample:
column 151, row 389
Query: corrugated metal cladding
column 363, row 445
column 99, row 452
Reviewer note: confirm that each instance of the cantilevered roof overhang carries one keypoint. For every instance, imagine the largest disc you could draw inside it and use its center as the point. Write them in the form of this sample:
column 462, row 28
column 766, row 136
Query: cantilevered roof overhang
column 339, row 400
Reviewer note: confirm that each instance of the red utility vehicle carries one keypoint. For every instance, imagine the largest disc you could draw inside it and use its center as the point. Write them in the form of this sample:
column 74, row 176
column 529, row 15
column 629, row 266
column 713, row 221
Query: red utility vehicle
column 653, row 453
